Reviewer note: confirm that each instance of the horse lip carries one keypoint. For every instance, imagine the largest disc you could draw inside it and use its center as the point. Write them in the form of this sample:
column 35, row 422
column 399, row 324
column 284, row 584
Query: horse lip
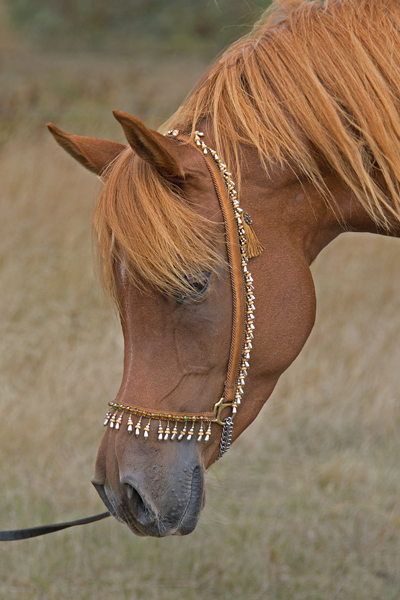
column 97, row 480
column 191, row 516
column 100, row 489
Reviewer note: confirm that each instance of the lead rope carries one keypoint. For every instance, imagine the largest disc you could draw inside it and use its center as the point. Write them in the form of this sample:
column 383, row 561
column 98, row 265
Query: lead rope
column 24, row 534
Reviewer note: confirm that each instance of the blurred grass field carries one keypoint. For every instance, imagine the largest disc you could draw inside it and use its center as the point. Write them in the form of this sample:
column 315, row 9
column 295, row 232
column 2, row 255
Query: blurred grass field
column 306, row 504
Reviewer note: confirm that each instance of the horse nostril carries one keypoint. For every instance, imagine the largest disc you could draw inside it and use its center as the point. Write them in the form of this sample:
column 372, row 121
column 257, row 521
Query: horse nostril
column 129, row 491
column 138, row 507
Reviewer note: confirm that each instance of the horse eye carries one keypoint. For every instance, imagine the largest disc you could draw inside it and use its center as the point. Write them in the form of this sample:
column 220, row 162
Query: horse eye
column 199, row 284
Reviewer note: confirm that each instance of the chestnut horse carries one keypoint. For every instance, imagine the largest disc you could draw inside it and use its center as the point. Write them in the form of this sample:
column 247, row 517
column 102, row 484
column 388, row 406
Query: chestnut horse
column 305, row 113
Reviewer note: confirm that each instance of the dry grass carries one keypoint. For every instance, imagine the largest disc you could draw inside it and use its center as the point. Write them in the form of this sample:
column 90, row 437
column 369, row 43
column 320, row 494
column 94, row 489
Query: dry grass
column 306, row 504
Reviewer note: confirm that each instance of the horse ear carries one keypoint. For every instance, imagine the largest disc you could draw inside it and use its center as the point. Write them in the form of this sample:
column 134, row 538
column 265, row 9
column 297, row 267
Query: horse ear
column 94, row 154
column 151, row 146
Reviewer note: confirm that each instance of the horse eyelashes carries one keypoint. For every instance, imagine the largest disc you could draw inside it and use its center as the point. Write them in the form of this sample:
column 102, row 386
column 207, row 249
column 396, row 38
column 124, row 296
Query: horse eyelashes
column 199, row 284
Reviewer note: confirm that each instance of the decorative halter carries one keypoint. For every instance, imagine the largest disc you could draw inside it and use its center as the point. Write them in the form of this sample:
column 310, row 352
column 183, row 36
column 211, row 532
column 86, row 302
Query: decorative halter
column 242, row 244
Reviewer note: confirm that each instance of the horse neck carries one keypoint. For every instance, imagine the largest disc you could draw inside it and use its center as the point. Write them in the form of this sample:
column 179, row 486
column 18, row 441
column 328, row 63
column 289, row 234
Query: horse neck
column 282, row 202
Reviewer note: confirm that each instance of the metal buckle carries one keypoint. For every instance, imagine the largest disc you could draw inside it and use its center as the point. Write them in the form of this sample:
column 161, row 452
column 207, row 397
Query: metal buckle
column 218, row 408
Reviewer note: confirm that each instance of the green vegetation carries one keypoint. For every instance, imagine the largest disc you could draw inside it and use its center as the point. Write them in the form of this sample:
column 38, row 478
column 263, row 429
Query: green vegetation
column 124, row 25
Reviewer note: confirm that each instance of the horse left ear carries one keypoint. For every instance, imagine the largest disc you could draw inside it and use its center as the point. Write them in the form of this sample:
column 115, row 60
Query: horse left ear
column 151, row 146
column 93, row 153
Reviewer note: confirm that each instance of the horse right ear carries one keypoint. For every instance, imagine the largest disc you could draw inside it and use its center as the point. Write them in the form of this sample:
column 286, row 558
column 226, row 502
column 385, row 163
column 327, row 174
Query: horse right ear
column 94, row 154
column 151, row 146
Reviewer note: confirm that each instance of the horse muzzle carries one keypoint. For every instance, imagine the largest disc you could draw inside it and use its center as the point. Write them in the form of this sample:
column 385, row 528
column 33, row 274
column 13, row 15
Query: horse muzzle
column 149, row 510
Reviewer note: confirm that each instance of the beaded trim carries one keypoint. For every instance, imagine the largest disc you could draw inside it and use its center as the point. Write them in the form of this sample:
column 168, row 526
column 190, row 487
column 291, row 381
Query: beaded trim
column 114, row 419
column 116, row 413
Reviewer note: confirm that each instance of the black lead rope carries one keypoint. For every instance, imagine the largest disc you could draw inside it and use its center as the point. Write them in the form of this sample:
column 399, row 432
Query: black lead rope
column 23, row 534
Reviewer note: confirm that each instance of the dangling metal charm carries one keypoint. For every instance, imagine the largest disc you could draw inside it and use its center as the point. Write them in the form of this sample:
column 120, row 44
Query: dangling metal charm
column 174, row 431
column 201, row 433
column 112, row 420
column 167, row 432
column 107, row 418
column 191, row 432
column 226, row 437
column 182, row 433
column 138, row 427
column 130, row 424
column 119, row 421
column 146, row 430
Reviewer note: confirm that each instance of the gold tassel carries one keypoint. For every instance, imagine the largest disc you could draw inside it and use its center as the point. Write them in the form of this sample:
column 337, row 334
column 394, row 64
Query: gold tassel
column 254, row 246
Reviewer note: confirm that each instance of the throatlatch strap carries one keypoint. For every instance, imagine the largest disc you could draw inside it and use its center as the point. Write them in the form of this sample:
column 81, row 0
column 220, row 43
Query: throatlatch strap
column 23, row 534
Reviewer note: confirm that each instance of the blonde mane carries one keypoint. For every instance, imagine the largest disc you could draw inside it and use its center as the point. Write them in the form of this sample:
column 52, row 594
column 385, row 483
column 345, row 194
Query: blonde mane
column 145, row 223
column 330, row 71
column 312, row 81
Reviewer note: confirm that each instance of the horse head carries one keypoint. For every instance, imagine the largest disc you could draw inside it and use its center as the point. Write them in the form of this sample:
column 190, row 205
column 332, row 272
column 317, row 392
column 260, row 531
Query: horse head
column 177, row 316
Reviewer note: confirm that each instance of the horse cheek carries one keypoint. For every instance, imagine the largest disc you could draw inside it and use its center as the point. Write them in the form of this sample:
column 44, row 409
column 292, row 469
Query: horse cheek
column 286, row 317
